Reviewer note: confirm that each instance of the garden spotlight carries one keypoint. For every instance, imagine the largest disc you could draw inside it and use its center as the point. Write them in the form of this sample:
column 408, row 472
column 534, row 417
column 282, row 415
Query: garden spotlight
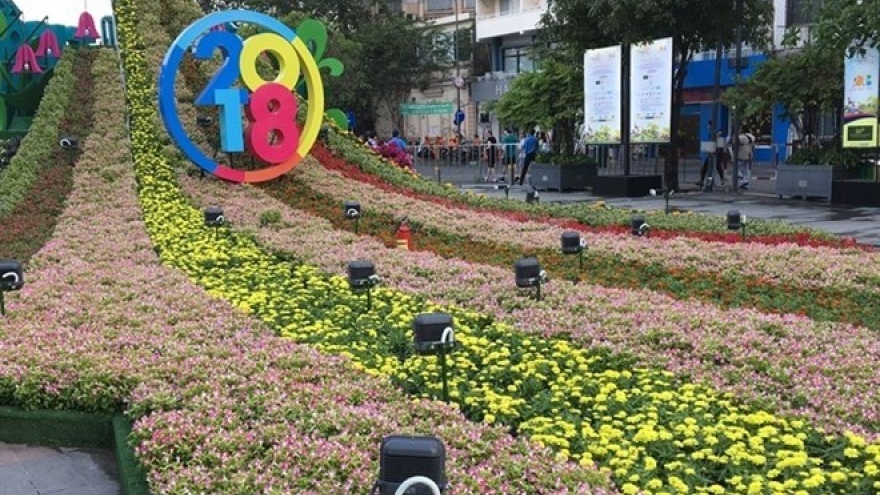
column 362, row 276
column 573, row 244
column 639, row 226
column 532, row 196
column 666, row 194
column 433, row 334
column 353, row 212
column 204, row 121
column 528, row 273
column 506, row 188
column 736, row 221
column 412, row 466
column 11, row 278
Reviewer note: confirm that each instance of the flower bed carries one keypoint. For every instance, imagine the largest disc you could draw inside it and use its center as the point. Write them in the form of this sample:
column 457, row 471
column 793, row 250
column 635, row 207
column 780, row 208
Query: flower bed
column 101, row 326
column 360, row 163
column 651, row 431
column 785, row 362
column 258, row 413
column 42, row 138
column 718, row 273
column 29, row 224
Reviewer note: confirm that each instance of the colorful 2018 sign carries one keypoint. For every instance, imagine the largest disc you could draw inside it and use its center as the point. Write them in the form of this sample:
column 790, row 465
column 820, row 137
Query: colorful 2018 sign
column 271, row 133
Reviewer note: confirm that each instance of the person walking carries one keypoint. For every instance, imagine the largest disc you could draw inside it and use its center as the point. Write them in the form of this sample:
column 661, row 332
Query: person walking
column 745, row 154
column 491, row 155
column 530, row 150
column 509, row 141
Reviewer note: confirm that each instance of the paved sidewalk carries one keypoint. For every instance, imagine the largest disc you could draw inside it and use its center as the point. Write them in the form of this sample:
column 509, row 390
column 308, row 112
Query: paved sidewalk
column 29, row 470
column 760, row 201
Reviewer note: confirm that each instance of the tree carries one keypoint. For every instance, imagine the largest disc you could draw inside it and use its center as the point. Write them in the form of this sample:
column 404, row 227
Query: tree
column 551, row 98
column 804, row 82
column 848, row 24
column 694, row 25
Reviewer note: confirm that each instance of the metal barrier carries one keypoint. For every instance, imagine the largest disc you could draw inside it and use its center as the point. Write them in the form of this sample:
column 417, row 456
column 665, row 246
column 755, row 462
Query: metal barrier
column 465, row 161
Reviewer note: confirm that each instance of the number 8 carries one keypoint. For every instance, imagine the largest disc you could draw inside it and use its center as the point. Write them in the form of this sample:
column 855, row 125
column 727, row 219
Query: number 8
column 272, row 109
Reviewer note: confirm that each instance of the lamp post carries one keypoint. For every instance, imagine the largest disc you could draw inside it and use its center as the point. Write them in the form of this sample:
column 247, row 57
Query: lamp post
column 459, row 82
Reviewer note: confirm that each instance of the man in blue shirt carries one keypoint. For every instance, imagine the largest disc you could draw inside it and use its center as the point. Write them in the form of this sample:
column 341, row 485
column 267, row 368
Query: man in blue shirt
column 397, row 141
column 530, row 150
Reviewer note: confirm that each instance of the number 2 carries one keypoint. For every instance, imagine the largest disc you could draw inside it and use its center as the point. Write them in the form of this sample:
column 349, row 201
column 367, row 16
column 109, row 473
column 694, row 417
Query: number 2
column 231, row 45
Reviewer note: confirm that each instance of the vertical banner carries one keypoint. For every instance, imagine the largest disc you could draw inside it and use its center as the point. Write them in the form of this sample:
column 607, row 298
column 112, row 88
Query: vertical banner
column 651, row 91
column 602, row 95
column 861, row 74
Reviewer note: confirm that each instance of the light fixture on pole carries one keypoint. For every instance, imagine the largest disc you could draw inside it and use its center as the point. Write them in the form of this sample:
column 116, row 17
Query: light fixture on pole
column 532, row 195
column 11, row 278
column 736, row 221
column 528, row 273
column 353, row 212
column 410, row 465
column 362, row 276
column 639, row 226
column 573, row 244
column 214, row 218
column 666, row 193
column 433, row 333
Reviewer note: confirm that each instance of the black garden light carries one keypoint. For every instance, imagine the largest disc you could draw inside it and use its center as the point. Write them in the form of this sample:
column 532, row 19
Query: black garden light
column 11, row 278
column 528, row 273
column 362, row 276
column 214, row 218
column 666, row 193
column 69, row 143
column 506, row 188
column 353, row 212
column 204, row 121
column 573, row 244
column 410, row 465
column 639, row 226
column 736, row 221
column 433, row 333
column 532, row 196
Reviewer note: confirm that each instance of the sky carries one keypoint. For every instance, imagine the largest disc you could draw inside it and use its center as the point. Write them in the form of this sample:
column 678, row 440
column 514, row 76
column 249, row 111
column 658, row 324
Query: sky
column 64, row 12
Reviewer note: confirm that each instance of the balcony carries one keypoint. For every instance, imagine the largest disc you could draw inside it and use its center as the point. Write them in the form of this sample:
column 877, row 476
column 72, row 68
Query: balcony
column 503, row 17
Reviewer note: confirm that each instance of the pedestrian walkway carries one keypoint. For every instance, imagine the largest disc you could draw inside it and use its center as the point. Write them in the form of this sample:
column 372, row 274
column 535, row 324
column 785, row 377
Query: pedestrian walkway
column 30, row 470
column 759, row 201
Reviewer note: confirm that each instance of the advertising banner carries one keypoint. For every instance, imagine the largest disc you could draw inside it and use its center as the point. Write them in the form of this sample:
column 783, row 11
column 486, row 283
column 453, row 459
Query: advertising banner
column 861, row 73
column 651, row 91
column 602, row 78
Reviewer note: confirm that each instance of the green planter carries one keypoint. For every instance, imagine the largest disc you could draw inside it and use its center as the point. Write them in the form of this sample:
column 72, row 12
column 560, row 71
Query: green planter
column 569, row 177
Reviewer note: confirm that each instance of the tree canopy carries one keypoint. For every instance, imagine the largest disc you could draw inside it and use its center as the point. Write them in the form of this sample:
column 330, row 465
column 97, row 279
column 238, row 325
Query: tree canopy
column 694, row 25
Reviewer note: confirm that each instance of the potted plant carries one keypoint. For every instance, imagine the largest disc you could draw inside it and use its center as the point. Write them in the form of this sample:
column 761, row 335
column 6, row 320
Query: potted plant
column 550, row 99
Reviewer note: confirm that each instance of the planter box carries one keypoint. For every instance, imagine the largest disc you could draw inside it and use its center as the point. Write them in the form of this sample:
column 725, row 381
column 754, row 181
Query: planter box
column 572, row 176
column 855, row 192
column 627, row 186
column 806, row 181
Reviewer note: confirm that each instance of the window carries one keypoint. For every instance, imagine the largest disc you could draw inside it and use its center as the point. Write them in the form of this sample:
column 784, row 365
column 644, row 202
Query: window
column 801, row 12
column 470, row 4
column 517, row 59
column 506, row 6
column 439, row 5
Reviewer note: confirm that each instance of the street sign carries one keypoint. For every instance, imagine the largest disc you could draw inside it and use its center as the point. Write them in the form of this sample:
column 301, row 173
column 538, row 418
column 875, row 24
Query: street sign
column 426, row 108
